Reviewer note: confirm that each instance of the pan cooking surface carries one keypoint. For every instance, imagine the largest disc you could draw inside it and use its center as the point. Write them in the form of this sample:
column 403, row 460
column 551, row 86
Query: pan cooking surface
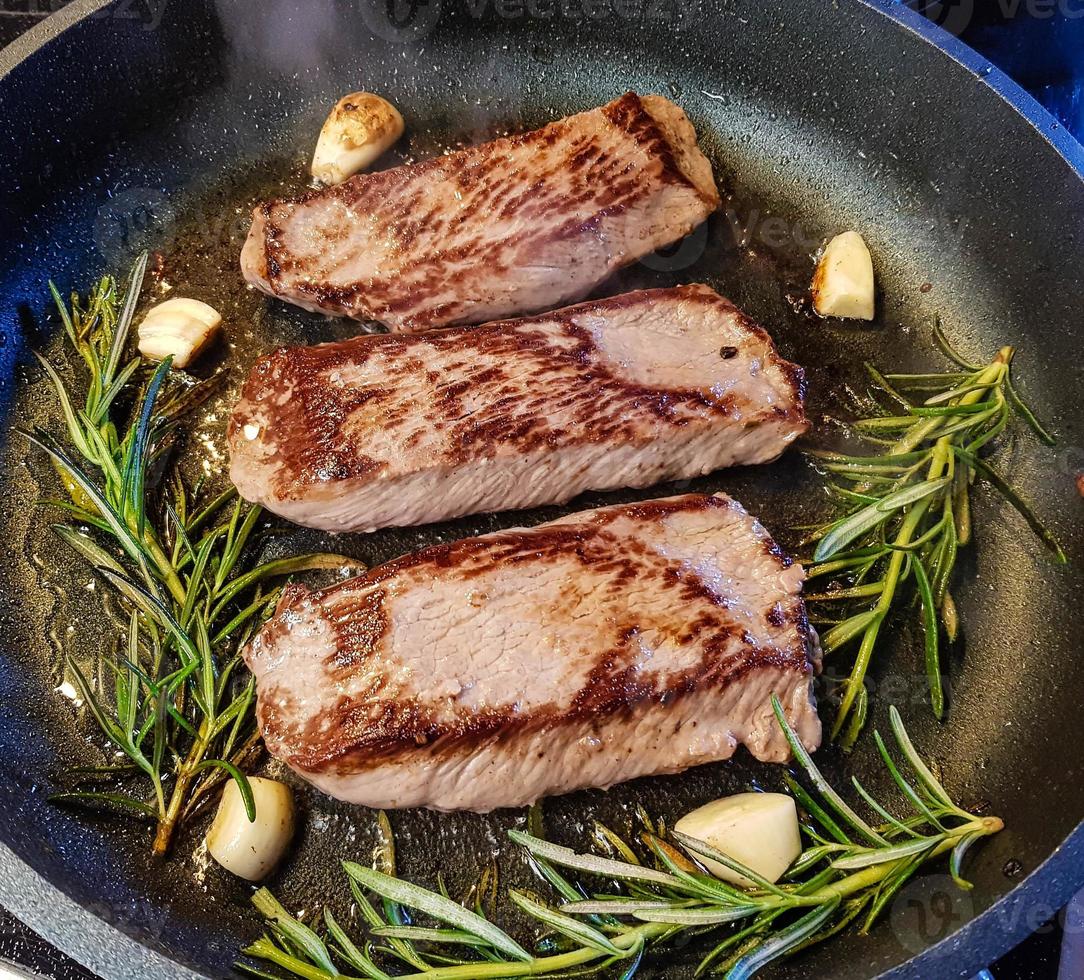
column 956, row 232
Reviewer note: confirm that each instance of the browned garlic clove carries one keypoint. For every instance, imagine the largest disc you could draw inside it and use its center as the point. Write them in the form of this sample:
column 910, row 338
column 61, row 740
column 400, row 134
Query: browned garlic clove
column 843, row 282
column 361, row 128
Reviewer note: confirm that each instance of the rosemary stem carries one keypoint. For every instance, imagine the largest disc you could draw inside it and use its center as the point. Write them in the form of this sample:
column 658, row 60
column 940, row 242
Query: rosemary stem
column 867, row 877
column 939, row 461
column 269, row 951
column 884, row 604
column 189, row 580
column 988, row 377
column 627, row 940
column 917, row 434
column 851, row 884
column 165, row 568
column 826, row 890
column 163, row 837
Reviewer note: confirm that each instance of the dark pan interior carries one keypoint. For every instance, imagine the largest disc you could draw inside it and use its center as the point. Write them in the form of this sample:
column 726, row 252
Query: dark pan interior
column 129, row 132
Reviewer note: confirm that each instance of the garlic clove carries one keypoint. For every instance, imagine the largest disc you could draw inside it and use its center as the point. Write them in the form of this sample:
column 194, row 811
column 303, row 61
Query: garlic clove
column 252, row 849
column 360, row 128
column 759, row 830
column 180, row 328
column 843, row 283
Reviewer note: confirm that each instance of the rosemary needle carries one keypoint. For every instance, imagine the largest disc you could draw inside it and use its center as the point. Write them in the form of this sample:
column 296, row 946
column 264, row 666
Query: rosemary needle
column 906, row 513
column 173, row 700
column 664, row 898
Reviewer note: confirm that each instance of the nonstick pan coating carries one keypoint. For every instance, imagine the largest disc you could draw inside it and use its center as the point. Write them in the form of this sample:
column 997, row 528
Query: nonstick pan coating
column 158, row 124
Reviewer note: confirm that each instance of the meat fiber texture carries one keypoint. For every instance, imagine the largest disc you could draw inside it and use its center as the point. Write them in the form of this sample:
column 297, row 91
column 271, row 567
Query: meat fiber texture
column 626, row 641
column 624, row 392
column 520, row 224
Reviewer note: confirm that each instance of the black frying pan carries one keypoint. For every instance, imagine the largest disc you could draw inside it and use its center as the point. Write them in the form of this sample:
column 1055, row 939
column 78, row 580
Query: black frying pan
column 157, row 124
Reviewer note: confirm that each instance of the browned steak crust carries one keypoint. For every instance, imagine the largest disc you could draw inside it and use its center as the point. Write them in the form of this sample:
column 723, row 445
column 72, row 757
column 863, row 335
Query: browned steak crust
column 627, row 391
column 625, row 641
column 515, row 225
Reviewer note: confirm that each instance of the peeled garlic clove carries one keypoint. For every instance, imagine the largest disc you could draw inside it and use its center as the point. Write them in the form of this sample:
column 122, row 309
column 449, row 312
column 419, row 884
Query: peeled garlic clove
column 843, row 282
column 178, row 327
column 361, row 127
column 759, row 830
column 252, row 849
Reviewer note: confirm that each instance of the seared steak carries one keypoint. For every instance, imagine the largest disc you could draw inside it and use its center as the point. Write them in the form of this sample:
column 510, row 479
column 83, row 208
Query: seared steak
column 520, row 224
column 622, row 392
column 637, row 639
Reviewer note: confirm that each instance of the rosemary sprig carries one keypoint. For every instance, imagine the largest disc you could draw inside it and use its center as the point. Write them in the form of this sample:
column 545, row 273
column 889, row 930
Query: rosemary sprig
column 850, row 872
column 907, row 511
column 170, row 697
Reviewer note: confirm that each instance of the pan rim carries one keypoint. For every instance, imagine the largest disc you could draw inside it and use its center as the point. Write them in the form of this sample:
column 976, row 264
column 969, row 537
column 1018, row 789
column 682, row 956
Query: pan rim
column 100, row 946
column 1048, row 128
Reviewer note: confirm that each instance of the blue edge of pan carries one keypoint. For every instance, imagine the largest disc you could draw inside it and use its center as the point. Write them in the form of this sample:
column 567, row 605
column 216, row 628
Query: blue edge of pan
column 99, row 946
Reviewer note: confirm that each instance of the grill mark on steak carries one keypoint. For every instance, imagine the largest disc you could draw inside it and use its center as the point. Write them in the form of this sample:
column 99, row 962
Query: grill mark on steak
column 347, row 690
column 519, row 224
column 638, row 373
